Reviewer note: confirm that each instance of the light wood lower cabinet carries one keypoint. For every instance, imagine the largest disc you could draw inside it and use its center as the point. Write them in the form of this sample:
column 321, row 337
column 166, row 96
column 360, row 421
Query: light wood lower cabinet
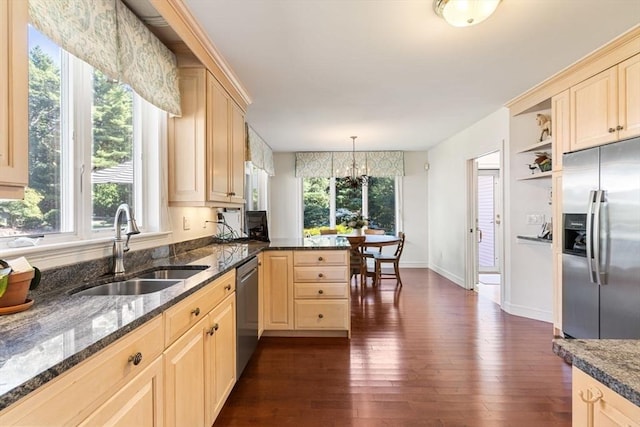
column 306, row 291
column 141, row 381
column 88, row 390
column 139, row 403
column 596, row 405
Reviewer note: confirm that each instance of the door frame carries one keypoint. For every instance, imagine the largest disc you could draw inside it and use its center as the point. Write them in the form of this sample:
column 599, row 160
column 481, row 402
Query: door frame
column 471, row 245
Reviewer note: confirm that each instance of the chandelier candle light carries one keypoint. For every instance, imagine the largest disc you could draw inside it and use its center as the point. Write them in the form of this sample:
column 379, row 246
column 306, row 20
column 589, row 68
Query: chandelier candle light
column 357, row 178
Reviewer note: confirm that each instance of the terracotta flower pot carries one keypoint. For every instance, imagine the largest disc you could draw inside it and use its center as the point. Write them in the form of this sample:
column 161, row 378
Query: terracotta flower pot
column 17, row 289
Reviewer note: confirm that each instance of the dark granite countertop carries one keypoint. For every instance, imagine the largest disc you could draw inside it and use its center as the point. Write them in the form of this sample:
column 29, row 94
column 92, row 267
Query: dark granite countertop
column 615, row 363
column 61, row 330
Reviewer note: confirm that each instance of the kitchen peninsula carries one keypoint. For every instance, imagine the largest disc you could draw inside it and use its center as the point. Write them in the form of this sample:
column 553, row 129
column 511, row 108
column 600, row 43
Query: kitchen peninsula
column 64, row 333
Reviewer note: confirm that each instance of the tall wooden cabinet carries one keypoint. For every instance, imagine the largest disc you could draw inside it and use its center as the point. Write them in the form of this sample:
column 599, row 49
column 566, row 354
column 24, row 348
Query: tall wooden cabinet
column 206, row 144
column 606, row 107
column 278, row 290
column 14, row 86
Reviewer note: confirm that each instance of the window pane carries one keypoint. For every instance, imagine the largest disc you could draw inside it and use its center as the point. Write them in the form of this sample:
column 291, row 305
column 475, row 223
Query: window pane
column 316, row 204
column 348, row 199
column 112, row 177
column 40, row 210
column 382, row 204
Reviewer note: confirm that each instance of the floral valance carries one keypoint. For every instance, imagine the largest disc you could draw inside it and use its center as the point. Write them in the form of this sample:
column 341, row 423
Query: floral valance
column 108, row 36
column 339, row 163
column 258, row 152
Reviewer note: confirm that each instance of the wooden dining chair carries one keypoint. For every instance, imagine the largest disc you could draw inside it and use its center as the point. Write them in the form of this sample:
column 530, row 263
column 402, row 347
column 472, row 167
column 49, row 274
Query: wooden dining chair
column 380, row 259
column 357, row 260
column 327, row 231
column 374, row 231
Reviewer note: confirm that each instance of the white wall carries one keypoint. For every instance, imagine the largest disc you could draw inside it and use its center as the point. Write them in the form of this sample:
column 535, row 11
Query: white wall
column 286, row 205
column 447, row 199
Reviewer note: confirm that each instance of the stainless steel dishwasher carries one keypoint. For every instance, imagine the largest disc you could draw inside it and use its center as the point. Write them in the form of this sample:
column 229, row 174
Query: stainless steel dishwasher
column 246, row 313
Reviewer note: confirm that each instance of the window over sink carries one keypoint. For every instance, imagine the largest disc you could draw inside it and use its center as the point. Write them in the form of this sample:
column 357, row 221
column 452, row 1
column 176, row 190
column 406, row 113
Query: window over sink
column 86, row 137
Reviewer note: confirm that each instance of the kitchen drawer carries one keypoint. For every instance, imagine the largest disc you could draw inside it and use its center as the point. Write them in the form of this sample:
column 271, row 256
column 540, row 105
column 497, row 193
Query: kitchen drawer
column 321, row 274
column 328, row 314
column 318, row 258
column 321, row 290
column 72, row 396
column 179, row 318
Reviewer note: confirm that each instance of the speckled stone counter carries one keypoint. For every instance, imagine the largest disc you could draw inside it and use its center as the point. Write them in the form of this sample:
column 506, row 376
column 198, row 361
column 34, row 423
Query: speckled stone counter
column 61, row 329
column 615, row 363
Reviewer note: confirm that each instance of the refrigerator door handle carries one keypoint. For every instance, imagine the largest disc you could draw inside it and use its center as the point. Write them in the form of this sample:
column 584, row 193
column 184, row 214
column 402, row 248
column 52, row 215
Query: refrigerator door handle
column 596, row 236
column 589, row 236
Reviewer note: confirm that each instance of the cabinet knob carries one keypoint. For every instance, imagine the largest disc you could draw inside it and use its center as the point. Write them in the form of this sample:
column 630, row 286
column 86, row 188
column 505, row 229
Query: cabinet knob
column 196, row 311
column 320, row 275
column 231, row 193
column 320, row 258
column 320, row 291
column 228, row 287
column 619, row 127
column 612, row 130
column 320, row 316
column 135, row 359
column 216, row 327
column 211, row 331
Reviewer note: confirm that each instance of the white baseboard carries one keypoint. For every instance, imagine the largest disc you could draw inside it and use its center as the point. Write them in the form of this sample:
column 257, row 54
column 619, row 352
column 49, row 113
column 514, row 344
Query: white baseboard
column 454, row 278
column 528, row 312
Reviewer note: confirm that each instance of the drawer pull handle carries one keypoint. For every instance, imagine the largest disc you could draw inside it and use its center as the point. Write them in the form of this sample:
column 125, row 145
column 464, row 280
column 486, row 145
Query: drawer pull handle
column 619, row 127
column 227, row 288
column 320, row 258
column 136, row 359
column 591, row 396
column 320, row 275
column 320, row 316
column 196, row 311
column 320, row 291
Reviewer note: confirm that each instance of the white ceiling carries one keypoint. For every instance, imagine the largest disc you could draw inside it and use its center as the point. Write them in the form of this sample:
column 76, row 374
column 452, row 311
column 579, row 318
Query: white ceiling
column 391, row 71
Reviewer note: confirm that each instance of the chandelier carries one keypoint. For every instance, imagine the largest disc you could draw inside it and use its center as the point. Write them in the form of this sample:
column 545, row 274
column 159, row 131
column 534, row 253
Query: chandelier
column 358, row 177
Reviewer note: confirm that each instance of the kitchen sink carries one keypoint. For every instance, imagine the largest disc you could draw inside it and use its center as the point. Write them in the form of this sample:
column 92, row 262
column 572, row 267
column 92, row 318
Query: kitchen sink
column 173, row 272
column 129, row 287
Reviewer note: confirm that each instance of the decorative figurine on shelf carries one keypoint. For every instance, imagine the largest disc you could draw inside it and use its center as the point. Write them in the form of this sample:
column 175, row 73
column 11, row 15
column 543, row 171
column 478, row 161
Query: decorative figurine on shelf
column 532, row 167
column 545, row 126
column 543, row 160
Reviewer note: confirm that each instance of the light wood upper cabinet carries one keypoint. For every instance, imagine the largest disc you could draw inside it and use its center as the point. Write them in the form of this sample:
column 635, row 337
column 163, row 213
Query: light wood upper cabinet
column 604, row 108
column 206, row 144
column 629, row 97
column 560, row 128
column 14, row 88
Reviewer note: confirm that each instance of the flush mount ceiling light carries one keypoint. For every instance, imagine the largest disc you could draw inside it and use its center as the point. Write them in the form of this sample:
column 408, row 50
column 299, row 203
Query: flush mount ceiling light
column 465, row 13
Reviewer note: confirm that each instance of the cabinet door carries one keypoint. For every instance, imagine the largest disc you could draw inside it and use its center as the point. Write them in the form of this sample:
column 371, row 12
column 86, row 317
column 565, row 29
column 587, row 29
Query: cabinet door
column 594, row 110
column 236, row 158
column 139, row 403
column 13, row 99
column 596, row 405
column 629, row 98
column 217, row 141
column 220, row 357
column 184, row 379
column 278, row 290
column 186, row 140
column 560, row 128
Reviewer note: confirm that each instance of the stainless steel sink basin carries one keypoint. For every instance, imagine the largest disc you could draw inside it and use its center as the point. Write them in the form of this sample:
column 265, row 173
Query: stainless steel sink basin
column 129, row 287
column 179, row 272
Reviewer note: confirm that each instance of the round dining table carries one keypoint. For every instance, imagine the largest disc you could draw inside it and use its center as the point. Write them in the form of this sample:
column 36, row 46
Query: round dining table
column 376, row 240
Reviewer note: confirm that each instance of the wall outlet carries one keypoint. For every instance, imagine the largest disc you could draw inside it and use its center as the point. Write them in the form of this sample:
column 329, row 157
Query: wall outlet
column 186, row 223
column 535, row 219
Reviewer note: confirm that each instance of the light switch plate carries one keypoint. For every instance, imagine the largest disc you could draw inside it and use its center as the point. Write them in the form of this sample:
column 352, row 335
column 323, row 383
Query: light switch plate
column 186, row 223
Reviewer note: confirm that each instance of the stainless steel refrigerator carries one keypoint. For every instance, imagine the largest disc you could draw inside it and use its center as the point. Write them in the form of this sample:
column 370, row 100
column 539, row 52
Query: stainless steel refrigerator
column 601, row 242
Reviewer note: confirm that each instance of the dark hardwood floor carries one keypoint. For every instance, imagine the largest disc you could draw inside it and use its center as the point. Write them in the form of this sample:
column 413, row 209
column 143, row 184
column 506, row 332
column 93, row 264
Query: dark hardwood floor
column 431, row 354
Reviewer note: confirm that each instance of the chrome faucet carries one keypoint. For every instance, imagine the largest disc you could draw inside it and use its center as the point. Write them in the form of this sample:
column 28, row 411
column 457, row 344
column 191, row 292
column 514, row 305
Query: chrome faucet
column 120, row 246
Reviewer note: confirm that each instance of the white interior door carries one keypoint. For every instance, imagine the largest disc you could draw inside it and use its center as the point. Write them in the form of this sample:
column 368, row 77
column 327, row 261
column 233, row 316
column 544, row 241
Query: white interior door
column 488, row 220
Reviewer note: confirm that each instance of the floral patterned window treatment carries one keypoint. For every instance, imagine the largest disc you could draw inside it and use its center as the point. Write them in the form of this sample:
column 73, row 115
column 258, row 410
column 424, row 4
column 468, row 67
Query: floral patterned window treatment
column 338, row 164
column 108, row 36
column 258, row 152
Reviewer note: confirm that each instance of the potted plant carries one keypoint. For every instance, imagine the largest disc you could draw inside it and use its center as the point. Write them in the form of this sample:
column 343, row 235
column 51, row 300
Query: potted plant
column 355, row 221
